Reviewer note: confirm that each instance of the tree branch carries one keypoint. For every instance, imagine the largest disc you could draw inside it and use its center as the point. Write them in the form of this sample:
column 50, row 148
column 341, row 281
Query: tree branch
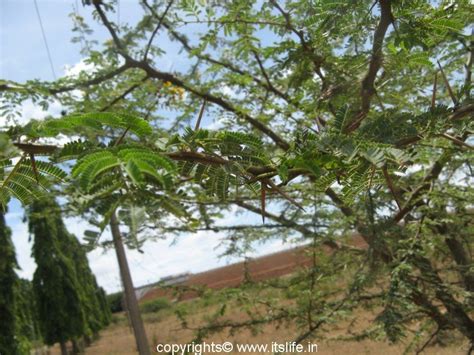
column 227, row 65
column 160, row 22
column 287, row 223
column 368, row 89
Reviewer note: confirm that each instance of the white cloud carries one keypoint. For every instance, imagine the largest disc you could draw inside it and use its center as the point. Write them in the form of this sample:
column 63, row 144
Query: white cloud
column 30, row 110
column 75, row 69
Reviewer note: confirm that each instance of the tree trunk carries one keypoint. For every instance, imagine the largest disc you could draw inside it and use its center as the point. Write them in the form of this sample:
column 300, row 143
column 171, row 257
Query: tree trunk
column 77, row 346
column 63, row 348
column 130, row 297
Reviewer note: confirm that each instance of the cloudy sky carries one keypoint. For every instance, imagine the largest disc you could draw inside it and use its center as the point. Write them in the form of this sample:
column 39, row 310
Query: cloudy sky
column 22, row 57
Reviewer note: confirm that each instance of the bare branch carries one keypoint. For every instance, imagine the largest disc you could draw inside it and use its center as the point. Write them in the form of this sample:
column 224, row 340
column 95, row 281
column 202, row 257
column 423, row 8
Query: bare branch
column 61, row 89
column 227, row 65
column 457, row 141
column 164, row 76
column 160, row 22
column 124, row 94
column 118, row 43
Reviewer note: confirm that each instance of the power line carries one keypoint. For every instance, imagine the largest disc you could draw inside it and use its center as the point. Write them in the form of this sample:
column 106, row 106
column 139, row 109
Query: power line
column 45, row 40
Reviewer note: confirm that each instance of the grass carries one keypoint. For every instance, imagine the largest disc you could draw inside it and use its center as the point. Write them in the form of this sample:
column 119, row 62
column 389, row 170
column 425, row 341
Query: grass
column 164, row 326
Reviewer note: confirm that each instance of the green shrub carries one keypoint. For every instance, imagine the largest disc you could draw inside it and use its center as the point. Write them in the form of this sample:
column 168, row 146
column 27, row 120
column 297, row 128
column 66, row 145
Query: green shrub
column 115, row 302
column 155, row 305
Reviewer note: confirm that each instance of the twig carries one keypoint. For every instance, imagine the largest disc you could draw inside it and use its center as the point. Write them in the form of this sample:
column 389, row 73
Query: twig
column 119, row 141
column 457, row 141
column 160, row 21
column 124, row 94
column 33, row 166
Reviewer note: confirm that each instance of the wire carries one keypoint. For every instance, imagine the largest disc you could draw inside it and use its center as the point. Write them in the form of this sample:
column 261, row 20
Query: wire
column 45, row 40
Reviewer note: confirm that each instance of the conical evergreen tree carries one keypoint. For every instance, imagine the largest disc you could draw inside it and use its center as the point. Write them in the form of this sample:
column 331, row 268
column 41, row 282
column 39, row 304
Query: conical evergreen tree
column 89, row 289
column 96, row 313
column 27, row 326
column 8, row 278
column 55, row 282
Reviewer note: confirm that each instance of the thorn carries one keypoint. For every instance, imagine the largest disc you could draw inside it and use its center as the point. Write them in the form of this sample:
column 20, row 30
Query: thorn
column 33, row 166
column 433, row 97
column 451, row 93
column 201, row 113
column 263, row 193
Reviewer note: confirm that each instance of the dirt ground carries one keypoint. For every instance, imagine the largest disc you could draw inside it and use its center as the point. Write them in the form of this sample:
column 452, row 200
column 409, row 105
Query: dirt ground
column 167, row 329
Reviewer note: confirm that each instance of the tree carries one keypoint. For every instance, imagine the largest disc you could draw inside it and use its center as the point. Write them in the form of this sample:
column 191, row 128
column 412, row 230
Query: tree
column 55, row 284
column 90, row 295
column 95, row 313
column 8, row 279
column 356, row 112
column 27, row 326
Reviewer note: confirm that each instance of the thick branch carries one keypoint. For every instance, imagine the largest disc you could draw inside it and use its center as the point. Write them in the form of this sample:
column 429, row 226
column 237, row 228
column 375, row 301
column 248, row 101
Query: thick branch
column 368, row 89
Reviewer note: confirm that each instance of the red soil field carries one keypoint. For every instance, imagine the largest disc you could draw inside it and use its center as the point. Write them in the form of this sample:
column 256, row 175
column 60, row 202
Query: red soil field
column 259, row 269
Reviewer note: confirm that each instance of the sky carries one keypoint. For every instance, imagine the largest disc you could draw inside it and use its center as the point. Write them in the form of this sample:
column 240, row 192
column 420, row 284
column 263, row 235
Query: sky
column 23, row 57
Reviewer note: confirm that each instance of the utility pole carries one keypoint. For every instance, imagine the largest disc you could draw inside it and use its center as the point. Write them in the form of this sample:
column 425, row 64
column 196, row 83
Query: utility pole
column 129, row 290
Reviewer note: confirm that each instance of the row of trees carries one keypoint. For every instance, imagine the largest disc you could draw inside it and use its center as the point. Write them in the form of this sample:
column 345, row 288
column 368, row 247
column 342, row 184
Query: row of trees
column 336, row 118
column 63, row 302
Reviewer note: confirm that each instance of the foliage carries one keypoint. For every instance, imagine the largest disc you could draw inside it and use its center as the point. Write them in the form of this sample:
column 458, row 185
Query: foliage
column 91, row 299
column 26, row 179
column 55, row 284
column 8, row 279
column 155, row 305
column 66, row 268
column 115, row 302
column 28, row 330
column 338, row 118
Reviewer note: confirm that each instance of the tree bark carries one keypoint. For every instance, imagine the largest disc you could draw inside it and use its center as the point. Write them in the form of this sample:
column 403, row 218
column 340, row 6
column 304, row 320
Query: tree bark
column 77, row 346
column 131, row 299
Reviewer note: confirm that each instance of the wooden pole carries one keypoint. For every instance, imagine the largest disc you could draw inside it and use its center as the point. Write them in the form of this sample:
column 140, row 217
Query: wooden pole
column 130, row 297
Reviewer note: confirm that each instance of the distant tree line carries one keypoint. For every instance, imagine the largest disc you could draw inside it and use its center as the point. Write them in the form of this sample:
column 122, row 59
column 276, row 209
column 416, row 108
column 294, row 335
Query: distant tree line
column 63, row 303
